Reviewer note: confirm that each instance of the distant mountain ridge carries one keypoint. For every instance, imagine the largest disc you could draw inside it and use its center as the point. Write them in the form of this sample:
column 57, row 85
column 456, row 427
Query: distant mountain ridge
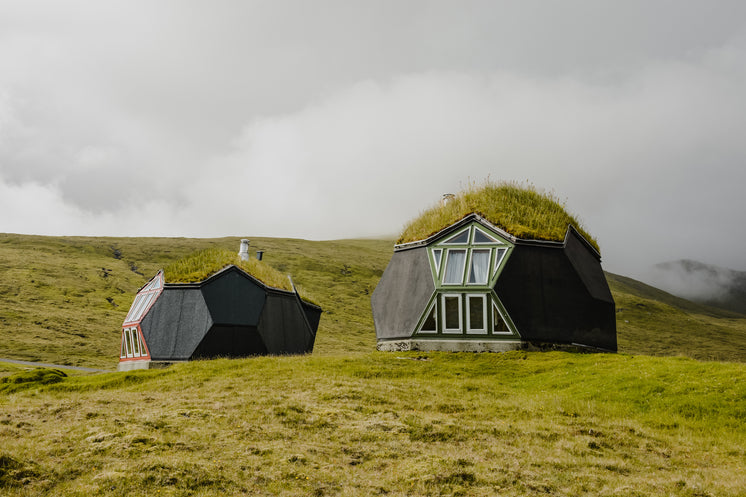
column 702, row 283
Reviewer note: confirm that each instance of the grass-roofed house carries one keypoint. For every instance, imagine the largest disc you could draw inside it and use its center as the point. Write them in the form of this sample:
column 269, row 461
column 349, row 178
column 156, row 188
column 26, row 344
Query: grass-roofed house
column 213, row 304
column 498, row 267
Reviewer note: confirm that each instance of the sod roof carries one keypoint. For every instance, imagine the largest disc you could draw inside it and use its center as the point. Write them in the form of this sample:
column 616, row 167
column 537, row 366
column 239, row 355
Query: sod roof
column 202, row 264
column 522, row 210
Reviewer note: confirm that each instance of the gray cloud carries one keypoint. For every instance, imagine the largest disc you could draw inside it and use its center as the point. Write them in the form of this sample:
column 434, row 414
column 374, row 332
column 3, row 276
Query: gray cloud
column 338, row 118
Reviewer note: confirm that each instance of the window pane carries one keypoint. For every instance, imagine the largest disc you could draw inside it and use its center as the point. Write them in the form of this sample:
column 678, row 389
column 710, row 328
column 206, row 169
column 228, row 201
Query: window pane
column 499, row 254
column 452, row 311
column 135, row 342
column 436, row 257
column 462, row 237
column 479, row 267
column 481, row 237
column 476, row 312
column 498, row 324
column 455, row 262
column 123, row 352
column 429, row 324
column 127, row 339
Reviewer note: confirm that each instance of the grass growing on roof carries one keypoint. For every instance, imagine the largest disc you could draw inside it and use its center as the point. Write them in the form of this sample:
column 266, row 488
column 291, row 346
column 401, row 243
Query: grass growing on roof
column 523, row 211
column 204, row 263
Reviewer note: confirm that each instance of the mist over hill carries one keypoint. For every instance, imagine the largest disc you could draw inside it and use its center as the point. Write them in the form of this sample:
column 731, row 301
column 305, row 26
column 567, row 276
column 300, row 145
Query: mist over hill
column 703, row 283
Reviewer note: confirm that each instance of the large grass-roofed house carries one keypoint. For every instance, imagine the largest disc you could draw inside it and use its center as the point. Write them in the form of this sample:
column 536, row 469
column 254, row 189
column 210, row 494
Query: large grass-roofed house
column 497, row 267
column 213, row 304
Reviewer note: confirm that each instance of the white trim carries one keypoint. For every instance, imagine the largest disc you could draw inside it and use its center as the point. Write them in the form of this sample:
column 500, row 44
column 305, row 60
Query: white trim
column 463, row 268
column 468, row 237
column 499, row 313
column 469, row 328
column 433, row 308
column 460, row 313
column 437, row 260
column 499, row 258
column 468, row 266
column 492, row 239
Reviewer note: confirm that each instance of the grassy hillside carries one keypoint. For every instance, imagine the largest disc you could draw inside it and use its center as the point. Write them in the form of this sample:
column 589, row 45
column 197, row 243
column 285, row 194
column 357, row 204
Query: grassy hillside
column 62, row 300
column 347, row 421
column 384, row 424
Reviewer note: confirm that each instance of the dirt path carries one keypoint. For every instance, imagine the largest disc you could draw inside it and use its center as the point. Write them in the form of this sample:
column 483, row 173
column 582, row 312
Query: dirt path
column 57, row 366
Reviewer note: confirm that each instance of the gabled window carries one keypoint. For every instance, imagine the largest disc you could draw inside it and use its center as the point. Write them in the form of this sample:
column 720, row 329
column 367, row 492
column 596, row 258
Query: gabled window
column 460, row 239
column 482, row 237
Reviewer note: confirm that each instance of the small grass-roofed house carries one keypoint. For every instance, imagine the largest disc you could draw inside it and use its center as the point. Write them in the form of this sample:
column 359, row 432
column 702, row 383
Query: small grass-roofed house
column 494, row 268
column 213, row 304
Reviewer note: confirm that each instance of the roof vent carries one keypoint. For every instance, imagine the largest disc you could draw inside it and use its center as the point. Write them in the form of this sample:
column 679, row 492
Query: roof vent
column 243, row 252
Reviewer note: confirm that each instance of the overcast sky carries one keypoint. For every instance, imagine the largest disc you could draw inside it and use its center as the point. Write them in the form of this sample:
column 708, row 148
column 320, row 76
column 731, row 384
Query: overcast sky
column 331, row 119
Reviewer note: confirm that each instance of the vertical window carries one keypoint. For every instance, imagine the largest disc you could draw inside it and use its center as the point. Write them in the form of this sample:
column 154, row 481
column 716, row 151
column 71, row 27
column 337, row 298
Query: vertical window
column 135, row 342
column 476, row 316
column 454, row 272
column 128, row 342
column 451, row 313
column 436, row 258
column 123, row 352
column 479, row 266
column 499, row 255
column 430, row 324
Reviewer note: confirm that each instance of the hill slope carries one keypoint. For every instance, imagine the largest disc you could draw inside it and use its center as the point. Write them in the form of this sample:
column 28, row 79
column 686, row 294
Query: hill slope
column 63, row 299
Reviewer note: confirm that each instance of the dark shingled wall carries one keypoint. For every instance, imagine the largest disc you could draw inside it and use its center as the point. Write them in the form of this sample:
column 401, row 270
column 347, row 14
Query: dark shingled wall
column 402, row 294
column 234, row 299
column 558, row 295
column 176, row 324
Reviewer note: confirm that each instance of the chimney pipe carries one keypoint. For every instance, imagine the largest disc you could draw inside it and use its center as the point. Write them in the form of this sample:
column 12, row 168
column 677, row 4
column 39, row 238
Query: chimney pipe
column 259, row 254
column 447, row 197
column 243, row 252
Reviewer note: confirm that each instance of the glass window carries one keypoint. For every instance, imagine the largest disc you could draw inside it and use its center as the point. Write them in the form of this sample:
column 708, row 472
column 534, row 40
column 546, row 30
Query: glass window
column 477, row 314
column 499, row 255
column 123, row 352
column 479, row 266
column 461, row 238
column 430, row 320
column 498, row 323
column 482, row 237
column 452, row 313
column 455, row 261
column 436, row 258
column 128, row 342
column 135, row 342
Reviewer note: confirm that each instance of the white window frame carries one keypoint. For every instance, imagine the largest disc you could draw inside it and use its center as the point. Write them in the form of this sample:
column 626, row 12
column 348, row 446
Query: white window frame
column 437, row 260
column 443, row 306
column 135, row 342
column 468, row 266
column 433, row 308
column 463, row 269
column 493, row 240
column 469, row 328
column 492, row 321
column 468, row 238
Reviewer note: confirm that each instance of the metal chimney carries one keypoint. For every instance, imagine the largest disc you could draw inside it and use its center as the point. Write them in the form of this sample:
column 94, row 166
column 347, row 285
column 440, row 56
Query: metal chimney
column 259, row 254
column 243, row 252
column 447, row 197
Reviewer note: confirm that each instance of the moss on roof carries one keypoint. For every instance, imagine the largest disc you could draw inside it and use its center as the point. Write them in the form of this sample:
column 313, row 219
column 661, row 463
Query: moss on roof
column 204, row 263
column 521, row 210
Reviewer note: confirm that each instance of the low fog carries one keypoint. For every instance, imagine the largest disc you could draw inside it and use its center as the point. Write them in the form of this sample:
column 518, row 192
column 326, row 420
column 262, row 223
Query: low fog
column 334, row 119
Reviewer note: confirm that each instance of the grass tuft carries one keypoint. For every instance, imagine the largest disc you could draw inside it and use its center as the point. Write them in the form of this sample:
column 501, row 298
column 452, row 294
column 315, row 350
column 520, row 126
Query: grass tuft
column 204, row 263
column 522, row 210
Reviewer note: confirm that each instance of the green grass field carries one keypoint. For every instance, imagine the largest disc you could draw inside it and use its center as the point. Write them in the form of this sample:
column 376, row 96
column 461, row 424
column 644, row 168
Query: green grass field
column 665, row 416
